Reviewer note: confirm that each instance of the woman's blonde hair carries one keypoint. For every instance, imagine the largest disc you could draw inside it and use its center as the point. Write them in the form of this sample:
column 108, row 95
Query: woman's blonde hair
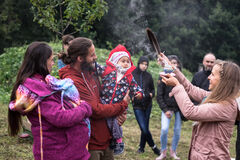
column 229, row 84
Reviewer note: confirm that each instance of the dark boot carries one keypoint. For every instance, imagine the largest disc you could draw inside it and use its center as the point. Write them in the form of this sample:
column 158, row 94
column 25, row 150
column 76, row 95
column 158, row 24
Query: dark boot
column 156, row 150
column 140, row 150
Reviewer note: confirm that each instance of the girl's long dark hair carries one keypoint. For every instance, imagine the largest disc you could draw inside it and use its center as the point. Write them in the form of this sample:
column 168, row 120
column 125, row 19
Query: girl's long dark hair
column 35, row 61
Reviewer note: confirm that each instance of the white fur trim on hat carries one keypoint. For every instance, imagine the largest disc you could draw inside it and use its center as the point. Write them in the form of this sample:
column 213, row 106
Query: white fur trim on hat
column 117, row 55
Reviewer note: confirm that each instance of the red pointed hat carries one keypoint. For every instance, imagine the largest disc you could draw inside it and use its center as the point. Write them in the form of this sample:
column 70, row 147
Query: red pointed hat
column 117, row 53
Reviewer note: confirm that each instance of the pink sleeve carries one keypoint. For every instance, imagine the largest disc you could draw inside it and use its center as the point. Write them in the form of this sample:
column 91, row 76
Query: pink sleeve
column 203, row 112
column 194, row 92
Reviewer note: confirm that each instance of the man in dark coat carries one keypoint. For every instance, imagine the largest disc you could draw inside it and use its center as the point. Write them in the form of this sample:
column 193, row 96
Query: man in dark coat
column 200, row 79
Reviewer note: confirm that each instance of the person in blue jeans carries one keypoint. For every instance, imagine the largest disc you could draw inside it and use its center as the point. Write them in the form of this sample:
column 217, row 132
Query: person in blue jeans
column 169, row 107
column 142, row 108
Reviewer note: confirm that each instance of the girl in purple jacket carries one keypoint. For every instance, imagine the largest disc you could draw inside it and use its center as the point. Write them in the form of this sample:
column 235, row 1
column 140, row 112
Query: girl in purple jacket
column 59, row 128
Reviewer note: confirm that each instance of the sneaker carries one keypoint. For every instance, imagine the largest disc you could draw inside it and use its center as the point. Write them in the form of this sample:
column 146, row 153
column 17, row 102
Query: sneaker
column 173, row 154
column 119, row 148
column 162, row 156
column 156, row 150
column 24, row 135
column 140, row 150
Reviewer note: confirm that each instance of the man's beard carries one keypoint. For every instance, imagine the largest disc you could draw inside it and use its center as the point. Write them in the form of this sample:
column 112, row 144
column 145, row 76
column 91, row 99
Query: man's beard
column 208, row 69
column 85, row 66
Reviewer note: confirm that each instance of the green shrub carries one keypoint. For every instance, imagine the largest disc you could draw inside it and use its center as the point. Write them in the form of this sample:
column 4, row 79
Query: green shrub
column 10, row 62
column 12, row 57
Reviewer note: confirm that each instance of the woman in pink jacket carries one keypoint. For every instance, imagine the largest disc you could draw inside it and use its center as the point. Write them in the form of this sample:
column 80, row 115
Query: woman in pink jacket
column 215, row 115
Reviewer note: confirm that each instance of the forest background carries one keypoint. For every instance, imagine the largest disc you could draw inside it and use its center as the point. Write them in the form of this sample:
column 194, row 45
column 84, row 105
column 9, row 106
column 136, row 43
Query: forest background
column 186, row 28
column 14, row 148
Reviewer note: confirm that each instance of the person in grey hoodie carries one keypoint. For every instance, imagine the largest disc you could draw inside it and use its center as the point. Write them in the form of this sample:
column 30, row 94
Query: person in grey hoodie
column 217, row 112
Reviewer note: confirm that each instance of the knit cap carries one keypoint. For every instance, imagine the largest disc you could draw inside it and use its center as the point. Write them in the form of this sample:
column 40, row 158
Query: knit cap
column 116, row 56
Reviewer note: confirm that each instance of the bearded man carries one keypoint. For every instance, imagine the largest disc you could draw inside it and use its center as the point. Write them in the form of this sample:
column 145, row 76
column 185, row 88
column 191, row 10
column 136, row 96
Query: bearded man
column 200, row 78
column 81, row 69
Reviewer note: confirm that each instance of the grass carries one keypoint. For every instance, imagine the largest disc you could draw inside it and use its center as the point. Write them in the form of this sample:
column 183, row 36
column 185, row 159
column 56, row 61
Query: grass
column 132, row 137
column 14, row 148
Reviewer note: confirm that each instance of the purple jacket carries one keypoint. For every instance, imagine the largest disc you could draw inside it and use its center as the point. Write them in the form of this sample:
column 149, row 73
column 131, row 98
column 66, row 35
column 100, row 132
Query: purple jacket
column 65, row 134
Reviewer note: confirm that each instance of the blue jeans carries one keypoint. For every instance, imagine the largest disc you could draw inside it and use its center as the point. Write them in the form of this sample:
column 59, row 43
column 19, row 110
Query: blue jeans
column 142, row 117
column 165, row 122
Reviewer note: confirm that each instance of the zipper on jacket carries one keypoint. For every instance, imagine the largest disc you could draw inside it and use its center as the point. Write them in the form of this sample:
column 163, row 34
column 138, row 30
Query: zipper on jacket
column 116, row 86
column 87, row 83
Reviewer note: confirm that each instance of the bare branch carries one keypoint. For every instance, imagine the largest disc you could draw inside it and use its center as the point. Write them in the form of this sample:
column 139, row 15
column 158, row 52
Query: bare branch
column 67, row 24
column 74, row 32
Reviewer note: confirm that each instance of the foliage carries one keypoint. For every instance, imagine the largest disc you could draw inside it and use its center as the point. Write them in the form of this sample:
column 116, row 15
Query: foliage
column 58, row 15
column 10, row 21
column 17, row 26
column 15, row 148
column 120, row 25
column 12, row 57
column 10, row 63
column 188, row 29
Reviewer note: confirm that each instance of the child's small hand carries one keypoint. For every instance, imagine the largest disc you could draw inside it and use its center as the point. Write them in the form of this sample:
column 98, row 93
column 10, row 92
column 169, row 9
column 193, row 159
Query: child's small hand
column 127, row 97
column 21, row 105
column 74, row 104
column 138, row 95
column 122, row 118
column 169, row 114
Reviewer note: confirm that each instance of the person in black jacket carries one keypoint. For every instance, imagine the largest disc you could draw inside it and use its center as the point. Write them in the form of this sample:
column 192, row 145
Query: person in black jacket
column 238, row 142
column 238, row 132
column 169, row 106
column 142, row 108
column 200, row 79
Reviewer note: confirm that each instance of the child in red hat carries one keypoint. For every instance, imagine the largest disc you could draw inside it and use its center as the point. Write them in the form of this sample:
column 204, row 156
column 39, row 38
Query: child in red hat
column 117, row 79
